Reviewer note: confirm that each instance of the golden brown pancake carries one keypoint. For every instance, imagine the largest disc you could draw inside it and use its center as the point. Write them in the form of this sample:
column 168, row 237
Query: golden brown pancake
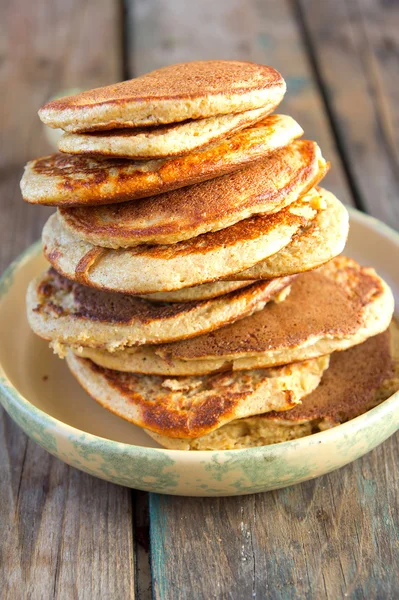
column 340, row 300
column 163, row 141
column 197, row 292
column 206, row 258
column 193, row 406
column 351, row 385
column 356, row 381
column 62, row 180
column 175, row 93
column 322, row 240
column 69, row 313
column 264, row 187
column 333, row 308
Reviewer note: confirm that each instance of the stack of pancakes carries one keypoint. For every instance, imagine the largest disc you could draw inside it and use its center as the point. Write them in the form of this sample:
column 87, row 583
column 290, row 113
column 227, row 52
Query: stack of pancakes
column 195, row 286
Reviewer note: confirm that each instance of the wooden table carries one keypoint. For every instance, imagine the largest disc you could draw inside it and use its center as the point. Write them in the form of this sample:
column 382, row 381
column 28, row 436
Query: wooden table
column 64, row 534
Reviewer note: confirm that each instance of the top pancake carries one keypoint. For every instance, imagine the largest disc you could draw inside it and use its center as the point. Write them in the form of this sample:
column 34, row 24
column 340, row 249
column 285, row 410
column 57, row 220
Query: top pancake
column 169, row 95
column 159, row 142
column 264, row 187
column 66, row 180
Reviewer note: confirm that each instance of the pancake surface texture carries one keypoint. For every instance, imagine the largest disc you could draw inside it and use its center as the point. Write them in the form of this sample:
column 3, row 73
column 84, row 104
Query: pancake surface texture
column 192, row 406
column 66, row 180
column 322, row 240
column 264, row 187
column 196, row 285
column 159, row 142
column 197, row 292
column 206, row 258
column 175, row 93
column 68, row 313
column 356, row 381
column 333, row 308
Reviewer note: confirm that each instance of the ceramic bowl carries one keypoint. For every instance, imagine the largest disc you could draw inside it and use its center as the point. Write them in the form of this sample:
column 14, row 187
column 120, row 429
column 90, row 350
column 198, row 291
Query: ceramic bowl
column 42, row 397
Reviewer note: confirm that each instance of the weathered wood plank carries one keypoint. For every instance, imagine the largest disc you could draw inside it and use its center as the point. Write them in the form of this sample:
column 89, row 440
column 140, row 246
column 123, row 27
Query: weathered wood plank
column 355, row 45
column 68, row 535
column 95, row 556
column 64, row 534
column 164, row 32
column 45, row 47
column 322, row 539
column 333, row 537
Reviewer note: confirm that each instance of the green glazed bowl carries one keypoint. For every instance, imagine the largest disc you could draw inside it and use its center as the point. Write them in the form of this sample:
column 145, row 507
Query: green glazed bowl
column 40, row 395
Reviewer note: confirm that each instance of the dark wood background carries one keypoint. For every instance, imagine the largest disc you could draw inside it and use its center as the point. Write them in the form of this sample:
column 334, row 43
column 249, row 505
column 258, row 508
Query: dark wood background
column 64, row 534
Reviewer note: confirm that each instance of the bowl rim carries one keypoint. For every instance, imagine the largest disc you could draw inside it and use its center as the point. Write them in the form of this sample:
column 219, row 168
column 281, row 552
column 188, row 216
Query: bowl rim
column 21, row 403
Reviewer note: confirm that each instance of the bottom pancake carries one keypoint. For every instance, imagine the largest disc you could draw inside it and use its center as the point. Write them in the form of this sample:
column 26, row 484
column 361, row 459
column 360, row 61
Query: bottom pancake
column 190, row 407
column 356, row 381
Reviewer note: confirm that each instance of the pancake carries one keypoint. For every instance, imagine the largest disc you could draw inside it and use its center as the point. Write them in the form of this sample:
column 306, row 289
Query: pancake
column 264, row 187
column 193, row 406
column 69, row 313
column 206, row 258
column 317, row 244
column 333, row 308
column 356, row 381
column 172, row 94
column 66, row 180
column 159, row 142
column 197, row 292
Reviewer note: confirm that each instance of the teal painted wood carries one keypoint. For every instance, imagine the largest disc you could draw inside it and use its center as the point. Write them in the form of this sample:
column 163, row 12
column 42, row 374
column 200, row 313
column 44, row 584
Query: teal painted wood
column 202, row 547
column 333, row 537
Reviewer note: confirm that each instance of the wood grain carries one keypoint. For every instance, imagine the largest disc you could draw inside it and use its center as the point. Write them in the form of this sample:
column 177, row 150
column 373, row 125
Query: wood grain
column 46, row 47
column 265, row 32
column 355, row 46
column 324, row 538
column 333, row 537
column 67, row 534
column 63, row 534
